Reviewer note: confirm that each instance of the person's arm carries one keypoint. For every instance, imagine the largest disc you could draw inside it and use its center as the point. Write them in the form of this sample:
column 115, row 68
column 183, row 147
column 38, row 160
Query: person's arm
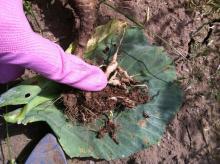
column 21, row 47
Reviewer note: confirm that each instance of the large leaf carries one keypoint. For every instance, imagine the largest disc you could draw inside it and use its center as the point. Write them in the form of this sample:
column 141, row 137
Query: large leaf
column 150, row 65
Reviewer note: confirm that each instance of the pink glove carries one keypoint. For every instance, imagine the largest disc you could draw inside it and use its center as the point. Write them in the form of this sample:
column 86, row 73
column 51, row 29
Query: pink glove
column 21, row 48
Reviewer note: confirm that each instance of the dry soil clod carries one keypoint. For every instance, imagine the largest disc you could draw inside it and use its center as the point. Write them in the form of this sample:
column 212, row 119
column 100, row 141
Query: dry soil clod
column 110, row 128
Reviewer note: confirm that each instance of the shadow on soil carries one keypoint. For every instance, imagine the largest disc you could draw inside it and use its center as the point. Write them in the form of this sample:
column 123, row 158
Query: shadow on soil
column 54, row 18
column 33, row 132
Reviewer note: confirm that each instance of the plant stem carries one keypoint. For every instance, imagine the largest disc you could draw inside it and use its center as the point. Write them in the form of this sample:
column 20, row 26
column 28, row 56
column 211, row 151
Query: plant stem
column 120, row 12
column 7, row 136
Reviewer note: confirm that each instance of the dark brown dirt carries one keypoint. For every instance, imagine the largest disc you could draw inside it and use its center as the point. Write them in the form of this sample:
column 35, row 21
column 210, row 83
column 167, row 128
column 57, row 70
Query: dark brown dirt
column 86, row 107
column 109, row 128
column 194, row 134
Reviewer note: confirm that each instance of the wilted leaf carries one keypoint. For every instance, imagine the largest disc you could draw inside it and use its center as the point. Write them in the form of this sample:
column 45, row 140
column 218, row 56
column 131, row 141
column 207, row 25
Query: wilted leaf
column 102, row 32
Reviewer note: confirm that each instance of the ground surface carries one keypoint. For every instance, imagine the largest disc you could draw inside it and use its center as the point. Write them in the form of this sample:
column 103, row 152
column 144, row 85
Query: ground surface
column 194, row 134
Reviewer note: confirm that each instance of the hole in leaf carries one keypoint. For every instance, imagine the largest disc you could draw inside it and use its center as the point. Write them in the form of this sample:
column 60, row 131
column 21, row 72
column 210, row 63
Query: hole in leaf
column 27, row 95
column 106, row 50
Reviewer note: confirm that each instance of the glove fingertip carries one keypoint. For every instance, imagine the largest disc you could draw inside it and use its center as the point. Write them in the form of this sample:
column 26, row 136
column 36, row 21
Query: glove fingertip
column 96, row 81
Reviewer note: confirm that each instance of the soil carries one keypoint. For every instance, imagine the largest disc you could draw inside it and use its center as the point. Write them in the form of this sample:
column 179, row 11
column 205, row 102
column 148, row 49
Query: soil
column 86, row 107
column 193, row 135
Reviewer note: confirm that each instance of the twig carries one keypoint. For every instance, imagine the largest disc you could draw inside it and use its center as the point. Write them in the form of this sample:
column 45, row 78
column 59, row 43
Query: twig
column 189, row 136
column 120, row 12
column 147, row 16
column 140, row 85
column 7, row 137
column 87, row 109
column 1, row 149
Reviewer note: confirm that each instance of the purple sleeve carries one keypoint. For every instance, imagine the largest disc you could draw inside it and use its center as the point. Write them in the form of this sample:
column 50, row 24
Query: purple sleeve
column 21, row 47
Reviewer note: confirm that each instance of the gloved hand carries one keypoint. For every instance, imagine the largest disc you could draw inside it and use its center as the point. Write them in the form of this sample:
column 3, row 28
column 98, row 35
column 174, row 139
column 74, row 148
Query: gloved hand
column 21, row 48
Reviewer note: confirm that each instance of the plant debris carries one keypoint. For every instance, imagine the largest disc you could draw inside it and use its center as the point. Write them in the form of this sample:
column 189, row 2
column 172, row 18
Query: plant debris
column 110, row 128
column 122, row 91
column 85, row 107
